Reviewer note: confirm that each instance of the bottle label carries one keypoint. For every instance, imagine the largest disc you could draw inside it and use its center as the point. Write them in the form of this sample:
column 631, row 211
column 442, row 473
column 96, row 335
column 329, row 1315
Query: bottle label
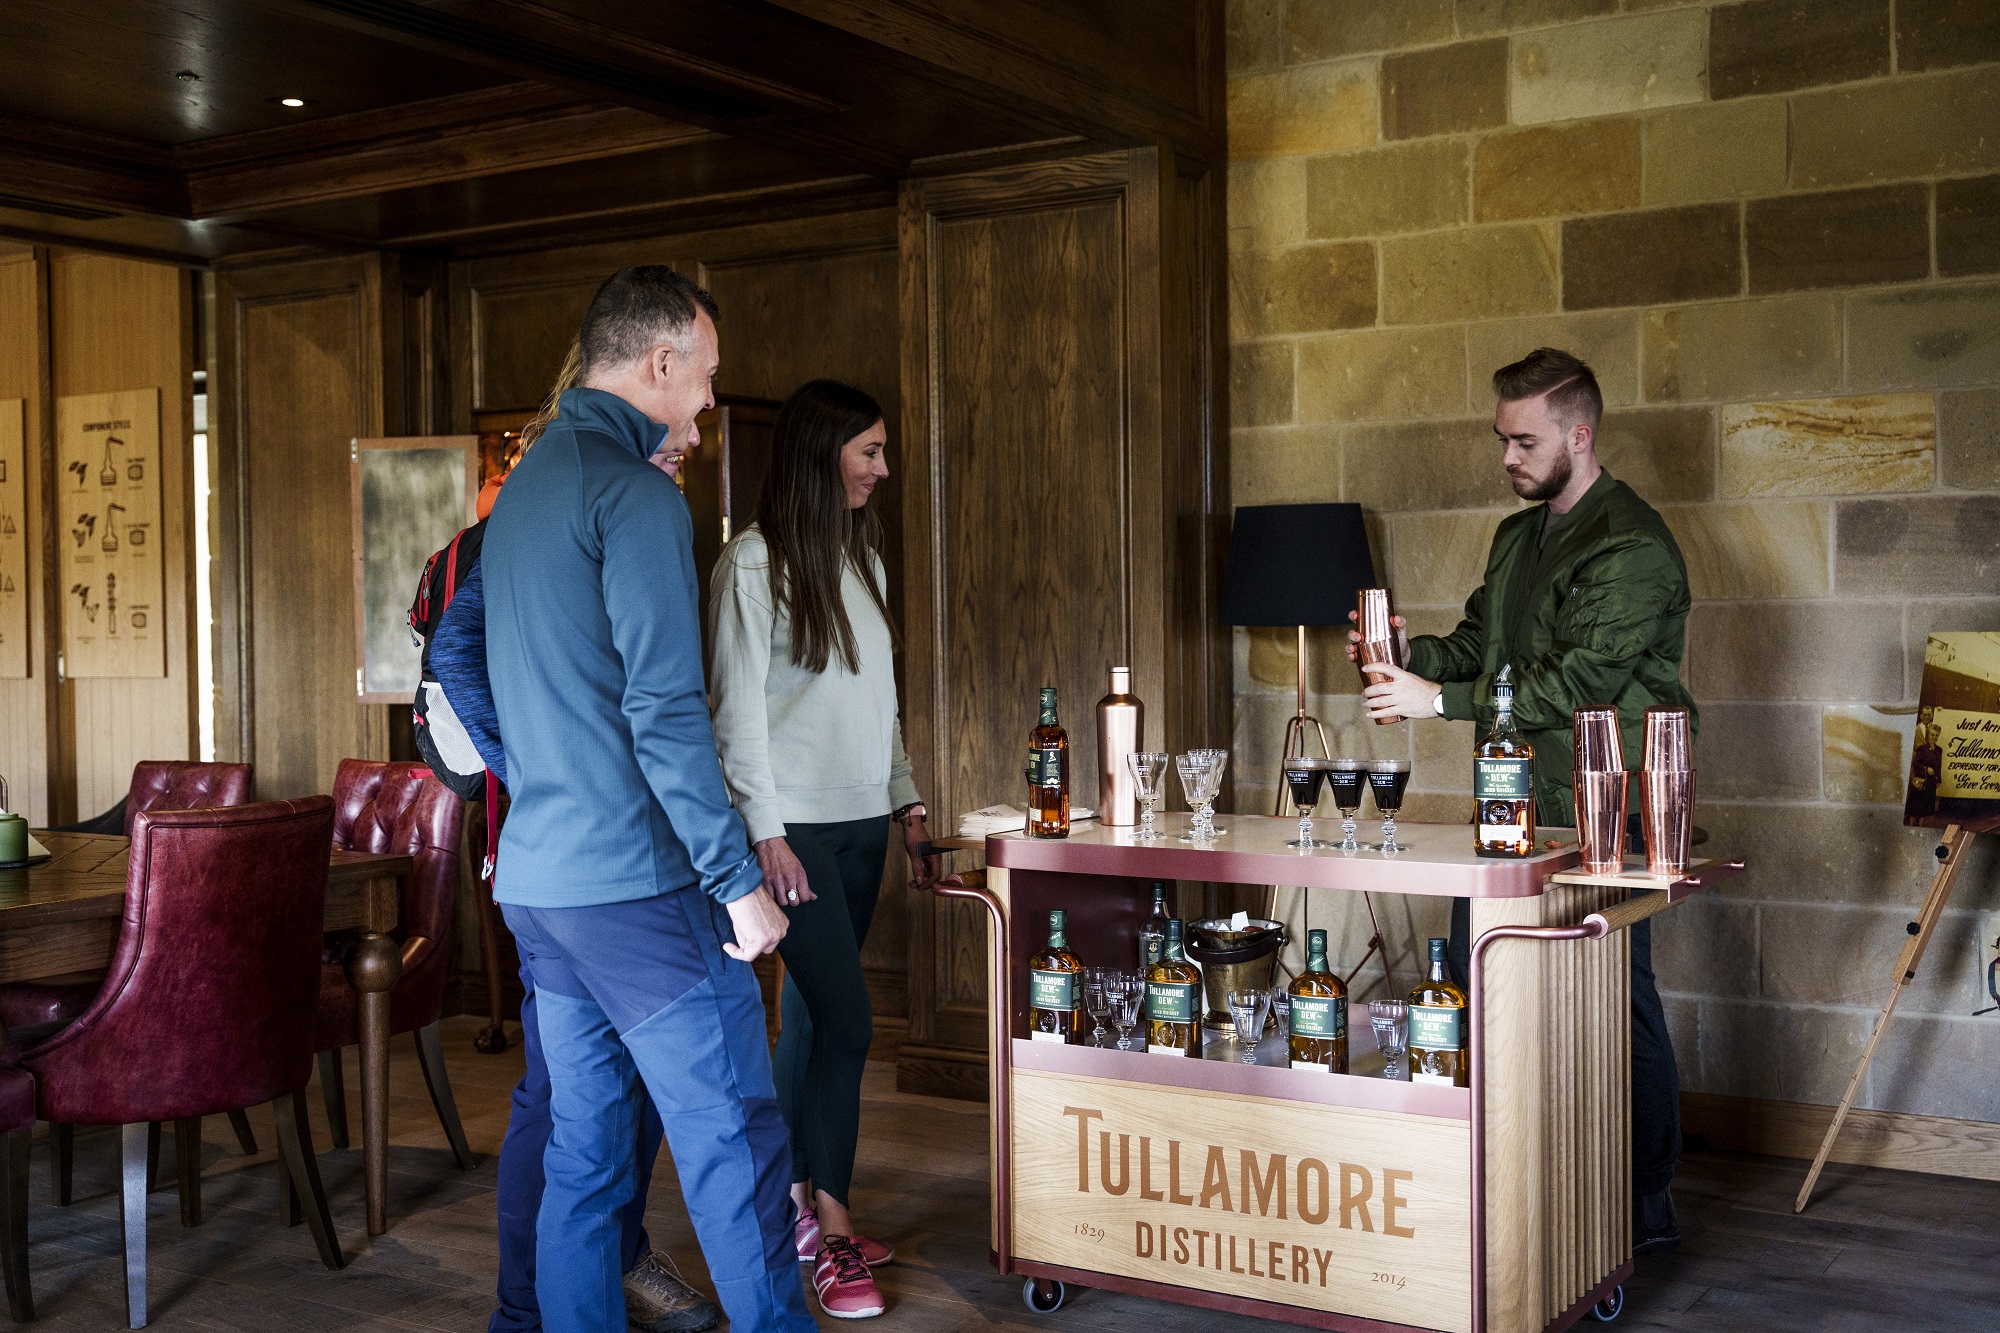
column 1045, row 768
column 1323, row 1016
column 1439, row 1079
column 1170, row 1001
column 1502, row 779
column 1151, row 947
column 1052, row 990
column 1317, row 1066
column 1432, row 1027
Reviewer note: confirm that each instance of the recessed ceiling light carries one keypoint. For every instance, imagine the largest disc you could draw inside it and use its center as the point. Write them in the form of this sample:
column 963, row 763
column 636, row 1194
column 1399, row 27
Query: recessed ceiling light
column 291, row 101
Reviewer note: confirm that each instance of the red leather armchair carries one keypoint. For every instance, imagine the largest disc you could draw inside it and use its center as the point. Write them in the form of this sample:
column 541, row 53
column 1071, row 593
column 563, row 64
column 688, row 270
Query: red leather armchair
column 388, row 807
column 209, row 1003
column 17, row 1127
column 171, row 784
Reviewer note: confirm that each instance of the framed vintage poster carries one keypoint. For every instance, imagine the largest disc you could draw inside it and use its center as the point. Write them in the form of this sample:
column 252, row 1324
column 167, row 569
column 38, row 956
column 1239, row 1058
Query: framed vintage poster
column 1955, row 761
column 410, row 495
column 108, row 517
column 13, row 541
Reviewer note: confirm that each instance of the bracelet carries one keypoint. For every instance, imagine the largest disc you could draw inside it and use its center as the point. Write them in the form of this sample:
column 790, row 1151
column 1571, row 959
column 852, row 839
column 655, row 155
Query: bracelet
column 902, row 816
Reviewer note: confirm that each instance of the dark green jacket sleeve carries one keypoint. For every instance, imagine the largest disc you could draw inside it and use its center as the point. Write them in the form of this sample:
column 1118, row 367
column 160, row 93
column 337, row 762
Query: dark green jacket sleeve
column 1456, row 656
column 1614, row 613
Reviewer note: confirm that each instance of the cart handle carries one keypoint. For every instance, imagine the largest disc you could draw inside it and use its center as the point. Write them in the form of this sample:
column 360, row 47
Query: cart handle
column 1000, row 993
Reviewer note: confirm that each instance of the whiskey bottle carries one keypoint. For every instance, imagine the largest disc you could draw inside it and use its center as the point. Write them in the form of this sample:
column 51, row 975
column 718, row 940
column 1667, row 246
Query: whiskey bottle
column 1319, row 1012
column 1438, row 1028
column 1055, row 987
column 1503, row 782
column 1153, row 935
column 1173, row 1001
column 1048, row 773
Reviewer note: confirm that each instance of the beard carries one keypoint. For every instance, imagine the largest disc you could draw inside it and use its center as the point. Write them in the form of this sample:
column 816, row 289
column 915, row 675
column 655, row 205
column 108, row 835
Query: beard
column 1549, row 487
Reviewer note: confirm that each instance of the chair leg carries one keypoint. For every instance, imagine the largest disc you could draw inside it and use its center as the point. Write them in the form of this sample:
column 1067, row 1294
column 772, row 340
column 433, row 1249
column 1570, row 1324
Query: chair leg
column 245, row 1137
column 135, row 1182
column 14, row 1224
column 62, row 1161
column 302, row 1167
column 430, row 1055
column 187, row 1164
column 333, row 1086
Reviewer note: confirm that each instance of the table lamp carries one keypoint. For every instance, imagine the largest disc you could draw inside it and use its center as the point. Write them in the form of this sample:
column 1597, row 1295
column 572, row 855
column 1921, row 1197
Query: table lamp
column 1302, row 566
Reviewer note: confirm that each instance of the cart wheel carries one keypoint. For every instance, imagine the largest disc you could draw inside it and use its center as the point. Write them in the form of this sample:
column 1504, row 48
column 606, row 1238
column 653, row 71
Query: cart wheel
column 1610, row 1307
column 1044, row 1295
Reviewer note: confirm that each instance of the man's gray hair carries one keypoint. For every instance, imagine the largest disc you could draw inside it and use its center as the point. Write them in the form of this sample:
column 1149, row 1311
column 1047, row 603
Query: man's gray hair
column 637, row 309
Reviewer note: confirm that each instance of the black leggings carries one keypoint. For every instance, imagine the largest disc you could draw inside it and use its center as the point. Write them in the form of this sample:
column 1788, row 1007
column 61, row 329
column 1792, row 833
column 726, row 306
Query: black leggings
column 828, row 1022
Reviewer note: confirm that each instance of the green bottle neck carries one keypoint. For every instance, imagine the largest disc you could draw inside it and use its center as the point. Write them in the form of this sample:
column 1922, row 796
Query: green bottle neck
column 1316, row 962
column 1049, row 709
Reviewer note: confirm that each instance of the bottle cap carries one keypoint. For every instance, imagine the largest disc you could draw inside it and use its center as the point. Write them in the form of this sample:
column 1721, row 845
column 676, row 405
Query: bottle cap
column 1438, row 950
column 1315, row 942
column 1121, row 680
column 1174, row 928
column 1058, row 918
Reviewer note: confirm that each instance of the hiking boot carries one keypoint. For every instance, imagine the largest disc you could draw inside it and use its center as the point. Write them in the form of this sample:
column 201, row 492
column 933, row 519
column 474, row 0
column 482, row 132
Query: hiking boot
column 657, row 1300
column 805, row 1238
column 846, row 1288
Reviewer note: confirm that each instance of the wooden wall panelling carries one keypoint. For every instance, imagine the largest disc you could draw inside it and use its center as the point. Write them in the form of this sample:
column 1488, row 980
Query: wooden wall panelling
column 301, row 368
column 1042, row 504
column 127, row 324
column 31, row 710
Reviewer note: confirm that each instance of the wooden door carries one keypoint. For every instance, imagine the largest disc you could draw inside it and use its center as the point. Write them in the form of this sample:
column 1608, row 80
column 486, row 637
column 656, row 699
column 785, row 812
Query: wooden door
column 1056, row 318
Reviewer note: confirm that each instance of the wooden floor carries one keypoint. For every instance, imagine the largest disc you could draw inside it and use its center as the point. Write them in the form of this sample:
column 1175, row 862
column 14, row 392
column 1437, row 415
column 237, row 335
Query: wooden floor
column 1879, row 1249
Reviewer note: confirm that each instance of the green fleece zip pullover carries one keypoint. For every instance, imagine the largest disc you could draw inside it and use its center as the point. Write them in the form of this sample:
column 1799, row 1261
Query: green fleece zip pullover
column 1594, row 616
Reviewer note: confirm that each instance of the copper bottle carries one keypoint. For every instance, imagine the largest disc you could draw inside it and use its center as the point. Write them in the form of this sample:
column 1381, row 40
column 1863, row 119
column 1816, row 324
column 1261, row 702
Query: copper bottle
column 1121, row 731
column 1378, row 639
column 1666, row 791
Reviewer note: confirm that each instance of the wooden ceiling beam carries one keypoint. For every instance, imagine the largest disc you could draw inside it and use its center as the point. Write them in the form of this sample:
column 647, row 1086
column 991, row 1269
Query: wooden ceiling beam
column 580, row 133
column 530, row 40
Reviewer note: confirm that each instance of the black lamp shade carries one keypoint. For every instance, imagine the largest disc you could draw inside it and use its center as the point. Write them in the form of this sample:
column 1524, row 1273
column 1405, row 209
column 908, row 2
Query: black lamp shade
column 1296, row 565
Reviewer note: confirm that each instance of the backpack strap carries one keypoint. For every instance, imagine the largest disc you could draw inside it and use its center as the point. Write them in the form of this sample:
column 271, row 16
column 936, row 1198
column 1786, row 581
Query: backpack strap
column 492, row 825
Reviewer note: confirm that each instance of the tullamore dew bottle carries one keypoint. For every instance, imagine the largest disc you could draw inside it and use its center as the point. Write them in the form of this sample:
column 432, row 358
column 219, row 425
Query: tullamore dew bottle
column 1439, row 1051
column 1319, row 1012
column 1503, row 782
column 1048, row 773
column 1055, row 987
column 1173, row 1001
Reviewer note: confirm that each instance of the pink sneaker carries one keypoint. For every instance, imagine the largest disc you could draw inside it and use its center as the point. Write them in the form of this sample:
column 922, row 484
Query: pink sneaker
column 846, row 1288
column 805, row 1238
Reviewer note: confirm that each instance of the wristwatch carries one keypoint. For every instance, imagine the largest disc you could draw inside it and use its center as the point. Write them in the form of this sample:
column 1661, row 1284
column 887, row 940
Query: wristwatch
column 913, row 809
column 1437, row 703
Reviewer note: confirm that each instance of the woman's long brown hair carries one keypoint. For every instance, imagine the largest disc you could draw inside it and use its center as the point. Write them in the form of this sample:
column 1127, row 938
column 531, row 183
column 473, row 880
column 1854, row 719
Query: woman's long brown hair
column 811, row 534
column 568, row 377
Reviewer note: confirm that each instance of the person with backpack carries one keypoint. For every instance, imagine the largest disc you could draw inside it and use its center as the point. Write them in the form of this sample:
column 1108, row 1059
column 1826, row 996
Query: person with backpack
column 803, row 689
column 624, row 871
column 459, row 735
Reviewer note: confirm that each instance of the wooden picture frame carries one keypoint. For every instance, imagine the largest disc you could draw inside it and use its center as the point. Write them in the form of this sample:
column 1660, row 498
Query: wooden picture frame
column 410, row 495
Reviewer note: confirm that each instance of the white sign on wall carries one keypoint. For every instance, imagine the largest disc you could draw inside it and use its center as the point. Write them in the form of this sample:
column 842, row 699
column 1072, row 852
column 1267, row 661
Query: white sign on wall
column 108, row 518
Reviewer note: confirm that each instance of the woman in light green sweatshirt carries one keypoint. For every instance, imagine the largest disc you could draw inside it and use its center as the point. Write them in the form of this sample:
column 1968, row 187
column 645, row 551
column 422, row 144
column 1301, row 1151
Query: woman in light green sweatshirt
column 803, row 689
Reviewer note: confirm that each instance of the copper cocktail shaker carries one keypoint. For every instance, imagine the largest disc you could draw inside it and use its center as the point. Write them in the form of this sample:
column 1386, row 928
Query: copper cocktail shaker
column 1600, row 783
column 1121, row 731
column 1666, row 791
column 1378, row 638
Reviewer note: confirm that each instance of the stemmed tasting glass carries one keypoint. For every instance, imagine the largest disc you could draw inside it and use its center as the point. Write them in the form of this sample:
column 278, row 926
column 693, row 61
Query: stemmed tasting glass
column 1281, row 1008
column 1148, row 768
column 1386, row 780
column 1303, row 776
column 1391, row 1021
column 1248, row 1009
column 1126, row 990
column 1221, row 758
column 1347, row 778
column 1097, row 1000
column 1195, row 767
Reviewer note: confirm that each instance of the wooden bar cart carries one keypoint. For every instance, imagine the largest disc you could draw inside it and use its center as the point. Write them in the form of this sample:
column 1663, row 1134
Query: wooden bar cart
column 1332, row 1201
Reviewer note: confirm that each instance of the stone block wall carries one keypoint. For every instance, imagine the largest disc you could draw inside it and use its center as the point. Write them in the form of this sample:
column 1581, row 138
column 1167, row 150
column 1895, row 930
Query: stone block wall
column 1774, row 229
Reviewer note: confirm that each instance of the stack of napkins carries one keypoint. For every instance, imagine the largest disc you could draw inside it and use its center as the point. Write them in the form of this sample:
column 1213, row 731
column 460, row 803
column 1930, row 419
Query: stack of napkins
column 1006, row 819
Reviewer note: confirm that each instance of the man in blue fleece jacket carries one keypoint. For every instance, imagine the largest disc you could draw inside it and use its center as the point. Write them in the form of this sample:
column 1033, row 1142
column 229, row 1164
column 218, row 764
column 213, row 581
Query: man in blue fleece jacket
column 624, row 872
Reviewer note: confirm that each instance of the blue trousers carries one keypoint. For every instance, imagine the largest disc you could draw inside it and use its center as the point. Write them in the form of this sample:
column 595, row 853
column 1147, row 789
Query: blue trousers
column 641, row 991
column 520, row 1188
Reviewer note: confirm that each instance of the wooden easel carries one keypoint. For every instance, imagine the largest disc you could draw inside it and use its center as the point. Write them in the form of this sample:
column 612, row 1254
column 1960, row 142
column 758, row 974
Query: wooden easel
column 1950, row 855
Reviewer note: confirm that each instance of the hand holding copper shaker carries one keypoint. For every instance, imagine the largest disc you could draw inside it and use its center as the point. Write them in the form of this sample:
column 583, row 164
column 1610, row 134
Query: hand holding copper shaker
column 1378, row 639
column 1666, row 791
column 1601, row 787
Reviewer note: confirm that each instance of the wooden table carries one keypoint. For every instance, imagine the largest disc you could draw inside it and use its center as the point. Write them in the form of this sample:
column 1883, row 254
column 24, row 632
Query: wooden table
column 64, row 916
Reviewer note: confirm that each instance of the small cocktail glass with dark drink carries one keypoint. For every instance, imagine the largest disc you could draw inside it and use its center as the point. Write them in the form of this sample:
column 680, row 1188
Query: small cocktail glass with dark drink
column 1347, row 777
column 1386, row 780
column 1303, row 776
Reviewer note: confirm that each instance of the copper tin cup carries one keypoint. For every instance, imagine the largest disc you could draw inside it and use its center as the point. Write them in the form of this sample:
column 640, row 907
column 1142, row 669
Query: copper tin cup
column 1669, row 745
column 1378, row 638
column 1598, row 747
column 1666, row 811
column 1600, row 820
